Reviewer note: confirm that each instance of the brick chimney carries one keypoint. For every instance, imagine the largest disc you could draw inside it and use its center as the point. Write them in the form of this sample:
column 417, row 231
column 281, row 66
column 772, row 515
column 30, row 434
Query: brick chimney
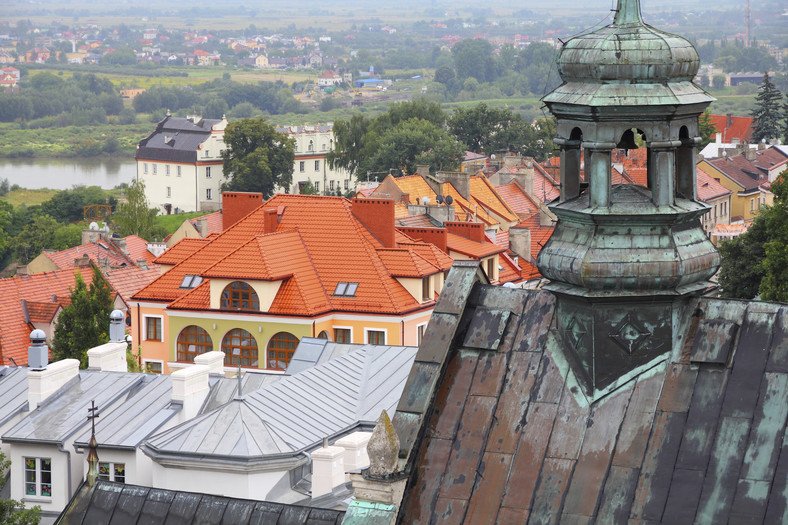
column 377, row 215
column 436, row 236
column 470, row 230
column 270, row 220
column 237, row 205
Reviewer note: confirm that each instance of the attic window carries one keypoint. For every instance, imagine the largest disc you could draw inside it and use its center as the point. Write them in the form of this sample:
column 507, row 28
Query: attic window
column 191, row 281
column 345, row 289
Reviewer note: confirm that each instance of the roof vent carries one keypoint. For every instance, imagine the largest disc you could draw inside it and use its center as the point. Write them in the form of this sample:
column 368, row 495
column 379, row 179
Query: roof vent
column 37, row 352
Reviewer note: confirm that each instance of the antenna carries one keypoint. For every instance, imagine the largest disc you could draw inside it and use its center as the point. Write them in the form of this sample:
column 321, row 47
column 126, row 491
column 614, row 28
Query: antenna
column 425, row 200
column 439, row 199
column 448, row 200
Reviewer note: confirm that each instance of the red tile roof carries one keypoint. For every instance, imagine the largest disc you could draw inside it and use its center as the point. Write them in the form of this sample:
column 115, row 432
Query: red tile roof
column 213, row 222
column 709, row 188
column 41, row 312
column 129, row 280
column 95, row 252
column 318, row 243
column 477, row 250
column 37, row 288
column 738, row 169
column 735, row 128
column 406, row 263
column 182, row 250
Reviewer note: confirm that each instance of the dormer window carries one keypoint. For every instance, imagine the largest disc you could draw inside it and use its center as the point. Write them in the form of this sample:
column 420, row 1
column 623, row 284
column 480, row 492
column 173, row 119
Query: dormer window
column 240, row 296
column 191, row 281
column 345, row 290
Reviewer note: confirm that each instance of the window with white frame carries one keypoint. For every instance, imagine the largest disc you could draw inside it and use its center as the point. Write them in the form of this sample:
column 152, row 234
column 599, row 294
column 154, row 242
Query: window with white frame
column 154, row 168
column 38, row 477
column 331, row 183
column 153, row 328
column 152, row 367
column 179, row 171
column 112, row 472
column 169, row 191
column 208, row 194
column 207, row 153
column 145, row 167
column 317, row 165
column 376, row 337
column 208, row 172
column 420, row 332
column 167, row 170
column 346, row 184
column 302, row 166
column 317, row 186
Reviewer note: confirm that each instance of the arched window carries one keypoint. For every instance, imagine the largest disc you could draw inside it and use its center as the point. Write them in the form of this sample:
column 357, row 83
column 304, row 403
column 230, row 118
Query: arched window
column 280, row 350
column 240, row 296
column 193, row 341
column 311, row 145
column 323, row 335
column 239, row 347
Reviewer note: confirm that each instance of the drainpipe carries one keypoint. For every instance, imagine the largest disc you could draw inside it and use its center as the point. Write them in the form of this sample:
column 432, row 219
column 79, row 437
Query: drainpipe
column 196, row 189
column 402, row 336
column 139, row 333
column 68, row 463
column 313, row 329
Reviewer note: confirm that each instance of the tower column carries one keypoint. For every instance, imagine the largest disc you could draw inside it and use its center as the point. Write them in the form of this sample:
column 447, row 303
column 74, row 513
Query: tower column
column 685, row 168
column 663, row 165
column 570, row 168
column 598, row 172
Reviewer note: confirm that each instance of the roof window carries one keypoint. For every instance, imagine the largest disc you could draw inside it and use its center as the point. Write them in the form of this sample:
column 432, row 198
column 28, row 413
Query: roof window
column 345, row 290
column 191, row 281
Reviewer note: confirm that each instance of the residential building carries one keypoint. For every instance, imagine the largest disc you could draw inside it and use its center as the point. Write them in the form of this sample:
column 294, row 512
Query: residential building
column 749, row 185
column 196, row 228
column 323, row 266
column 181, row 164
column 312, row 143
column 713, row 193
column 328, row 77
column 261, row 61
column 732, row 129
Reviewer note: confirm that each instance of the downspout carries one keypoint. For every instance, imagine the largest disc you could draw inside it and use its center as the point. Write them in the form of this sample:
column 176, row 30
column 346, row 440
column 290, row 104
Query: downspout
column 139, row 334
column 313, row 329
column 402, row 336
column 196, row 188
column 68, row 462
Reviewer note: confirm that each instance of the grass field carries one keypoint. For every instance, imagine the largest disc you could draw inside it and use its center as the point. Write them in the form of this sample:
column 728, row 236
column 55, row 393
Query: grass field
column 172, row 222
column 28, row 197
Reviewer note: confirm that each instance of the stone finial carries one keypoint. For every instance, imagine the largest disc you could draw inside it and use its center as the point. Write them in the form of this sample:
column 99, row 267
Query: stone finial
column 383, row 447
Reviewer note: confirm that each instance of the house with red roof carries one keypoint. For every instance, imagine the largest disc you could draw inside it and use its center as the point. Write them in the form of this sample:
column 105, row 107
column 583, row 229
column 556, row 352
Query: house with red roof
column 749, row 184
column 329, row 78
column 102, row 250
column 713, row 193
column 732, row 130
column 280, row 270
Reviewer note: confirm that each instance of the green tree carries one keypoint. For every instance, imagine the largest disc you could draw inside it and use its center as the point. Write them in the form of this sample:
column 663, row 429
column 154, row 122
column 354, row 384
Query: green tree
column 84, row 323
column 135, row 217
column 490, row 130
column 707, row 128
column 413, row 142
column 474, row 58
column 257, row 158
column 349, row 140
column 718, row 81
column 36, row 237
column 13, row 512
column 767, row 112
column 308, row 188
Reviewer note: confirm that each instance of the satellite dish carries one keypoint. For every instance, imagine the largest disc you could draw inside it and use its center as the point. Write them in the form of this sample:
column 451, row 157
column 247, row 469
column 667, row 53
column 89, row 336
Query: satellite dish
column 509, row 285
column 93, row 226
column 425, row 200
column 448, row 200
column 439, row 199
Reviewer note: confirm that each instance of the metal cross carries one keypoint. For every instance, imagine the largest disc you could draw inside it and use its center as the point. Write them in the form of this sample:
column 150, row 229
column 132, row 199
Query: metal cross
column 93, row 415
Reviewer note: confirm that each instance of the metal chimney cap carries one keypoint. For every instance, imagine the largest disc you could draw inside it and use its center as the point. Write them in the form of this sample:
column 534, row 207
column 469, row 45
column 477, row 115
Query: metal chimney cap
column 116, row 315
column 38, row 336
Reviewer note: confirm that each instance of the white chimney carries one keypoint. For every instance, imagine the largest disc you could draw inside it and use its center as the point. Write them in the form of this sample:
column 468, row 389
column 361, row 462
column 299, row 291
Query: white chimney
column 109, row 357
column 355, row 446
column 328, row 470
column 43, row 383
column 190, row 387
column 213, row 360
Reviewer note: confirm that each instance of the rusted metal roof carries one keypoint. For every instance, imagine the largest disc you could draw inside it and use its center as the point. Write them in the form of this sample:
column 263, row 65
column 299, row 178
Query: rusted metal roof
column 494, row 428
column 108, row 502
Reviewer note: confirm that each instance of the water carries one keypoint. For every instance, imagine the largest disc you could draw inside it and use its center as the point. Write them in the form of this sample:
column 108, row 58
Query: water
column 63, row 174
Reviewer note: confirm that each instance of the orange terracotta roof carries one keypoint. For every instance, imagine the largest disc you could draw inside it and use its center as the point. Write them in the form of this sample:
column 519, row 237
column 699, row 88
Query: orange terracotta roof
column 508, row 272
column 181, row 250
column 41, row 312
column 138, row 249
column 416, row 187
column 517, row 199
column 465, row 210
column 539, row 234
column 484, row 194
column 728, row 231
column 406, row 263
column 708, row 187
column 37, row 288
column 417, row 221
column 400, row 210
column 334, row 247
column 94, row 250
column 465, row 246
column 431, row 253
column 129, row 280
column 738, row 128
column 257, row 259
column 501, row 238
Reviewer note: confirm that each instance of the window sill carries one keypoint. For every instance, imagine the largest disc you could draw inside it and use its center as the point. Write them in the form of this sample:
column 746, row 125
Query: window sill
column 37, row 499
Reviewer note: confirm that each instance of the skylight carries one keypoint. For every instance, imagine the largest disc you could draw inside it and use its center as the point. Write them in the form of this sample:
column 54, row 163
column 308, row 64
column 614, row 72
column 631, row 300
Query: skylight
column 191, row 281
column 345, row 289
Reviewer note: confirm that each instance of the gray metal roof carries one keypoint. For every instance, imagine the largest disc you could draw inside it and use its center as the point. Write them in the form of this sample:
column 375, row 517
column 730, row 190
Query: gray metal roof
column 175, row 140
column 297, row 412
column 145, row 408
column 225, row 388
column 64, row 412
column 13, row 392
column 313, row 351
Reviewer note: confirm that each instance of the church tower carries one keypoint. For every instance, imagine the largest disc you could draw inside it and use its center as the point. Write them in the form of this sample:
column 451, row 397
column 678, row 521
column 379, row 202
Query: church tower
column 624, row 260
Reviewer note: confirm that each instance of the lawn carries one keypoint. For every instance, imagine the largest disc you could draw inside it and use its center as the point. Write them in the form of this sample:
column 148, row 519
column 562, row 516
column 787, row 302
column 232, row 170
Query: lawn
column 172, row 222
column 28, row 197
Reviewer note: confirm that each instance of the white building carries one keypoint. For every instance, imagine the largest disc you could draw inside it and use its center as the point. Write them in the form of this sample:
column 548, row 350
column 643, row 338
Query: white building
column 181, row 164
column 312, row 145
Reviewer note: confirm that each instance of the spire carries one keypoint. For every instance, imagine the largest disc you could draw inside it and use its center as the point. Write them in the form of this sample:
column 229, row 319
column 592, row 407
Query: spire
column 93, row 446
column 628, row 12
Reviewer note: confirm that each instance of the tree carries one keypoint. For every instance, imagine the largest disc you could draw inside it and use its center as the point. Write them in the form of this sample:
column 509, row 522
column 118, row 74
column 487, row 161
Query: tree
column 135, row 217
column 13, row 512
column 413, row 142
column 766, row 112
column 718, row 81
column 785, row 120
column 707, row 129
column 491, row 130
column 84, row 323
column 257, row 158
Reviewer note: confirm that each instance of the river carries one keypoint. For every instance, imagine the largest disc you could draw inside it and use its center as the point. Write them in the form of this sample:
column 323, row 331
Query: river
column 62, row 174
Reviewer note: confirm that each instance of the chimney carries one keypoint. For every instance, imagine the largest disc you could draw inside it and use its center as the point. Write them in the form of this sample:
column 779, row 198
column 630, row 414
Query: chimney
column 423, row 170
column 750, row 154
column 728, row 121
column 328, row 470
column 237, row 205
column 436, row 236
column 81, row 262
column 111, row 356
column 120, row 243
column 438, row 212
column 470, row 230
column 377, row 215
column 512, row 161
column 525, row 178
column 21, row 270
column 460, row 180
column 117, row 332
column 190, row 388
column 270, row 220
column 213, row 360
column 42, row 379
column 355, row 446
column 202, row 226
column 142, row 263
column 520, row 242
column 718, row 138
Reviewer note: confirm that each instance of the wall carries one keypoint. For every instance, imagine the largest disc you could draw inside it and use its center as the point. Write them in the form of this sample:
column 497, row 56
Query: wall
column 266, row 291
column 230, row 483
column 60, row 483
